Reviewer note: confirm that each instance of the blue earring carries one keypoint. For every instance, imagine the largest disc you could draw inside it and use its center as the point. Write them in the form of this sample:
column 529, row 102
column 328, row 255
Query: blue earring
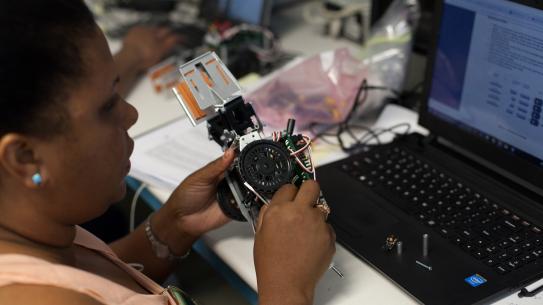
column 37, row 179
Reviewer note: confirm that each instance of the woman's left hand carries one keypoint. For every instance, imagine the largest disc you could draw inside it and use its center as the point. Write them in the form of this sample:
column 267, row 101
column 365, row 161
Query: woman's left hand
column 192, row 209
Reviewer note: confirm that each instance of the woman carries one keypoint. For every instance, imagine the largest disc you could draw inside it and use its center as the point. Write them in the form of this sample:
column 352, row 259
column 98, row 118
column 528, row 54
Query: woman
column 64, row 153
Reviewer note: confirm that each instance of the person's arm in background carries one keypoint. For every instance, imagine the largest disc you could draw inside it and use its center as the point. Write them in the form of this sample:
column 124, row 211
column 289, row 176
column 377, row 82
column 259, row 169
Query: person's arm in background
column 143, row 47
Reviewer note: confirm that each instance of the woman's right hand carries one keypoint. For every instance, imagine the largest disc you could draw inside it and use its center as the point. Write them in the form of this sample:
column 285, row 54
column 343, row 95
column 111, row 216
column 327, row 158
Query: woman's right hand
column 293, row 246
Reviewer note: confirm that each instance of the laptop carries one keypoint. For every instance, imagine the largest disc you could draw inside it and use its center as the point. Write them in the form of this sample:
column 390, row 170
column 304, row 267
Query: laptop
column 456, row 217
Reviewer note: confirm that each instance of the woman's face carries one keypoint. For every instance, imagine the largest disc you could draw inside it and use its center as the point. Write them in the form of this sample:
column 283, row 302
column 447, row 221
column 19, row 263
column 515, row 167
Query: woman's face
column 84, row 168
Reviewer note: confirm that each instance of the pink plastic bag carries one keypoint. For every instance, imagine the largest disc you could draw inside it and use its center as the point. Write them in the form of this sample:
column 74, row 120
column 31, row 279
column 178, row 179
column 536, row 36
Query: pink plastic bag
column 320, row 89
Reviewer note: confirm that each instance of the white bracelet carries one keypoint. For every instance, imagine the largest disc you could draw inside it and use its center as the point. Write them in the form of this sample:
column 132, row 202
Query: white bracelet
column 161, row 250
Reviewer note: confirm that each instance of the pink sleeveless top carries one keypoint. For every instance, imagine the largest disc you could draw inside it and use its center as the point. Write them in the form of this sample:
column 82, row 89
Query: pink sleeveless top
column 23, row 269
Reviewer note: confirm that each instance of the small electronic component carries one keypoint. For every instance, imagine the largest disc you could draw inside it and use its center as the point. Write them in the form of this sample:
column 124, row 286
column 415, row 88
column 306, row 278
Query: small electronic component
column 208, row 92
column 390, row 242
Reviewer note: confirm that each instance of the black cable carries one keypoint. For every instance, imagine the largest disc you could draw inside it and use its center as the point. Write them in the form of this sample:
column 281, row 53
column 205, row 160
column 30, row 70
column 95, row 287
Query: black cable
column 371, row 133
column 387, row 130
column 346, row 127
column 356, row 140
column 357, row 101
column 396, row 93
column 412, row 97
column 322, row 134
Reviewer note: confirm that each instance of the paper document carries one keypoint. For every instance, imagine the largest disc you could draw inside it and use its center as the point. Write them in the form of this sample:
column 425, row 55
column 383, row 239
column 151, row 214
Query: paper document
column 165, row 156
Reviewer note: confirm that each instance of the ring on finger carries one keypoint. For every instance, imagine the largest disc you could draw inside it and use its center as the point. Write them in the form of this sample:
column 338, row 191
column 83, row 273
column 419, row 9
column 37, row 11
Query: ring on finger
column 324, row 208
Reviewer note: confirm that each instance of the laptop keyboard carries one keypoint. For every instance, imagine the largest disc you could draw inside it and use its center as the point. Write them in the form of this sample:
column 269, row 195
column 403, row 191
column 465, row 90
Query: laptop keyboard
column 484, row 229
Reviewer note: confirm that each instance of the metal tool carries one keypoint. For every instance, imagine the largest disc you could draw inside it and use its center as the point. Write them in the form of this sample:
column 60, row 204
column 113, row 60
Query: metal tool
column 336, row 270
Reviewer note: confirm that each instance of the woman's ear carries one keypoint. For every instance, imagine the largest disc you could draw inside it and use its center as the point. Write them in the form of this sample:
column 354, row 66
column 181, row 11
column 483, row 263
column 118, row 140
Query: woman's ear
column 18, row 160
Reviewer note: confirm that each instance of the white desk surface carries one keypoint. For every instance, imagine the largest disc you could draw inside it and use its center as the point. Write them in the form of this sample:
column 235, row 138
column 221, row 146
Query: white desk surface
column 233, row 243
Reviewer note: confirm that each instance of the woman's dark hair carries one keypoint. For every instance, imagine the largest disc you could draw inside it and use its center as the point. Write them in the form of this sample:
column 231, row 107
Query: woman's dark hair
column 40, row 57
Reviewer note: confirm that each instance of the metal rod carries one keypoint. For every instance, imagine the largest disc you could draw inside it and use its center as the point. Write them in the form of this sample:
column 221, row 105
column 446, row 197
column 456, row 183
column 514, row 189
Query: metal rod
column 425, row 240
column 336, row 270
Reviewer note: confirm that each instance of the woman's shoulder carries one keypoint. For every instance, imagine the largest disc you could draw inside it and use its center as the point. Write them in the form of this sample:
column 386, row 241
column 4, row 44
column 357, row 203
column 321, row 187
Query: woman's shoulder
column 36, row 275
column 22, row 294
column 83, row 239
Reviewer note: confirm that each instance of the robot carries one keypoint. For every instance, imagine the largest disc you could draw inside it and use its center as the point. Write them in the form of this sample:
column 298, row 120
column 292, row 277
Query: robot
column 209, row 93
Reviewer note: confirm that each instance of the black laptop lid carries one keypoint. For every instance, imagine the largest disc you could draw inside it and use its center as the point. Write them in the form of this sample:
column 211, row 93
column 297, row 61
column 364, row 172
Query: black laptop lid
column 484, row 84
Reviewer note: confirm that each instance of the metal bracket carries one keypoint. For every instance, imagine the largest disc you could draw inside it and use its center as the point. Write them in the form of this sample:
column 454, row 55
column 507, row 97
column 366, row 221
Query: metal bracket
column 206, row 85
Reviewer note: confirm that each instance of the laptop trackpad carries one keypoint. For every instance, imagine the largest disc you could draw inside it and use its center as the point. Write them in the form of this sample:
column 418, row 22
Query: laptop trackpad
column 361, row 217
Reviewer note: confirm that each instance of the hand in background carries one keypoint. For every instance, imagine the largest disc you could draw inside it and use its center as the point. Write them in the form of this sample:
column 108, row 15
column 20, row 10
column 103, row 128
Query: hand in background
column 149, row 45
column 143, row 47
column 293, row 246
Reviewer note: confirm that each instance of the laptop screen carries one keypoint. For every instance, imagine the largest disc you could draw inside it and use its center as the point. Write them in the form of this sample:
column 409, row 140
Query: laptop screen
column 487, row 76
